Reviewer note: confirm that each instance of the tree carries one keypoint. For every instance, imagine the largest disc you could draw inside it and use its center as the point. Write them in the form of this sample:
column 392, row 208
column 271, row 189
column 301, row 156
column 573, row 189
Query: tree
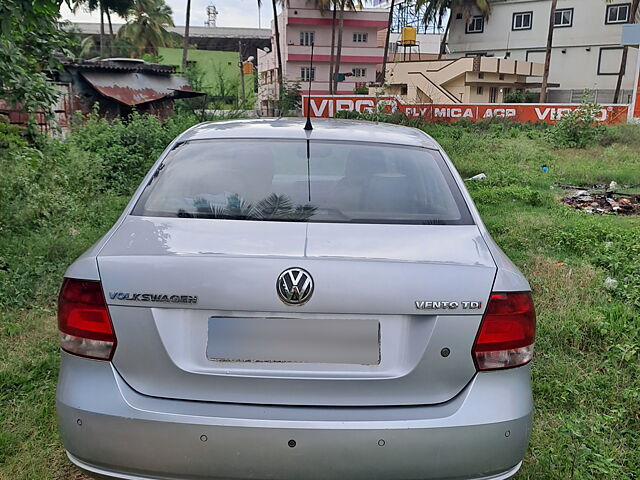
column 386, row 44
column 119, row 7
column 146, row 29
column 30, row 37
column 185, row 48
column 344, row 5
column 322, row 4
column 437, row 10
column 547, row 57
column 625, row 52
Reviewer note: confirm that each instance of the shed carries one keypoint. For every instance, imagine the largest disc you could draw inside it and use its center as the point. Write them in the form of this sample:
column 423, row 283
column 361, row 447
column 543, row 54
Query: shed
column 118, row 85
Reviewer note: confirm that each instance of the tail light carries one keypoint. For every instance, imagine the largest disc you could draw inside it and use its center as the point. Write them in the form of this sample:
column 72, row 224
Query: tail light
column 507, row 332
column 83, row 320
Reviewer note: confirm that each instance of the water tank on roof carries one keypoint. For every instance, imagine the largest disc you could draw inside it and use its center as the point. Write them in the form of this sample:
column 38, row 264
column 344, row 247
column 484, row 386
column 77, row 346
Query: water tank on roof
column 409, row 36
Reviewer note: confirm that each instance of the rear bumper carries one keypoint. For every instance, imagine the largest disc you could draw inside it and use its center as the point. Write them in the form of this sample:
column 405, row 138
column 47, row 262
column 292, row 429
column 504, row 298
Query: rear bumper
column 111, row 431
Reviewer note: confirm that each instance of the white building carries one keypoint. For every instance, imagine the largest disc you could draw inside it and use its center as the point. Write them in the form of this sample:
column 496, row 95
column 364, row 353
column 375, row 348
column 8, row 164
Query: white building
column 586, row 44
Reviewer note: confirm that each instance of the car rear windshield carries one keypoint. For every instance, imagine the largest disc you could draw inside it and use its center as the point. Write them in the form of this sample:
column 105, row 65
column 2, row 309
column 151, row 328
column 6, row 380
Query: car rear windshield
column 304, row 181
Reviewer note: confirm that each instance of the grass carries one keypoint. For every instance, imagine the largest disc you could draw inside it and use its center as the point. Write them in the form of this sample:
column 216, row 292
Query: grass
column 586, row 372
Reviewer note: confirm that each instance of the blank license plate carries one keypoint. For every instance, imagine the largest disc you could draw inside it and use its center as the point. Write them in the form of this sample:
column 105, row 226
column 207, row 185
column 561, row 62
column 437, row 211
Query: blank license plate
column 294, row 340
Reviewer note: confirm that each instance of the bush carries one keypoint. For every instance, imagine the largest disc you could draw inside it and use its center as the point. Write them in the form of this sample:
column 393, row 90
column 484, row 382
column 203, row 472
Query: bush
column 517, row 96
column 579, row 128
column 126, row 148
column 59, row 197
column 10, row 135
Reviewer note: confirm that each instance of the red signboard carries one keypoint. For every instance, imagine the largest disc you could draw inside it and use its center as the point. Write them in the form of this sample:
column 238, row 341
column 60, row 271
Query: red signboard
column 327, row 106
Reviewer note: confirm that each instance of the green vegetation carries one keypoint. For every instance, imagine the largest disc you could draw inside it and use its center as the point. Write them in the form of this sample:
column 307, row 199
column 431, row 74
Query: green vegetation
column 215, row 73
column 517, row 96
column 146, row 27
column 57, row 198
column 29, row 38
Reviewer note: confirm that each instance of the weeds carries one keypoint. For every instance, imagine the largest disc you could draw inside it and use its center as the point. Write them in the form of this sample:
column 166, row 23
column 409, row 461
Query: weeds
column 578, row 128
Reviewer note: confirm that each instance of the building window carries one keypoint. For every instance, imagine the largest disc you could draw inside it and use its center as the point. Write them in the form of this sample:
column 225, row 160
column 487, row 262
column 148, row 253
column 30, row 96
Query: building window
column 475, row 25
column 479, row 90
column 359, row 72
column 618, row 13
column 481, row 75
column 308, row 74
column 501, row 76
column 307, row 38
column 609, row 59
column 493, row 95
column 522, row 21
column 360, row 37
column 563, row 18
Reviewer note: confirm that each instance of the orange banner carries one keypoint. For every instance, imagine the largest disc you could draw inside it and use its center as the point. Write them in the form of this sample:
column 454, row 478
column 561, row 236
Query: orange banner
column 327, row 106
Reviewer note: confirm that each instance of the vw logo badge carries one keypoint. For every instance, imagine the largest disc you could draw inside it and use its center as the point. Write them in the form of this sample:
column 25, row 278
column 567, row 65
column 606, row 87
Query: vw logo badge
column 294, row 286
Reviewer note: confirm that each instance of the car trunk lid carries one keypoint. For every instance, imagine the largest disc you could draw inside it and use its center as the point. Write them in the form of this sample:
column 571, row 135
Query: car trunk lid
column 208, row 324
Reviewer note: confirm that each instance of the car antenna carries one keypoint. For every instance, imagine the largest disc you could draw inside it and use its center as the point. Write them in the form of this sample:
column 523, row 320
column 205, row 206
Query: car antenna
column 307, row 125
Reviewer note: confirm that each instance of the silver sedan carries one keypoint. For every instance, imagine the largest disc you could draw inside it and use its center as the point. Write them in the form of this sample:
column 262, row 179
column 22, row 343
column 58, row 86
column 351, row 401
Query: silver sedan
column 281, row 303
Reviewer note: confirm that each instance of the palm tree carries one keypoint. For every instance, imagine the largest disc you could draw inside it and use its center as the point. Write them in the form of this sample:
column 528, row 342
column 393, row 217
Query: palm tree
column 436, row 10
column 92, row 6
column 322, row 4
column 273, row 207
column 333, row 44
column 349, row 5
column 386, row 43
column 119, row 7
column 185, row 48
column 146, row 28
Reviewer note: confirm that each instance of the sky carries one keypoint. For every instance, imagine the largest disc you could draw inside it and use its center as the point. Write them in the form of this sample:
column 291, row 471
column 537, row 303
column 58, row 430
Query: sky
column 232, row 13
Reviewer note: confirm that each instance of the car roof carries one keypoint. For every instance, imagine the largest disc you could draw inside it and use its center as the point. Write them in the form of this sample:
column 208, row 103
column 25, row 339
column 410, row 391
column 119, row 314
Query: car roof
column 323, row 129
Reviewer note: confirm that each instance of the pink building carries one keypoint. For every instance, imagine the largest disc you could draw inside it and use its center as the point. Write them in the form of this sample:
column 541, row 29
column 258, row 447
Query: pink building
column 300, row 25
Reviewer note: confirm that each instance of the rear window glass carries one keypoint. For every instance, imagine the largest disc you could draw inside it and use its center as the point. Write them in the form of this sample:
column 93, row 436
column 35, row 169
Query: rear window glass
column 304, row 181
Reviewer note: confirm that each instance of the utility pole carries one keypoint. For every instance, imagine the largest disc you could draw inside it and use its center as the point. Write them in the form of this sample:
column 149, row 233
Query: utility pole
column 241, row 72
column 625, row 53
column 547, row 59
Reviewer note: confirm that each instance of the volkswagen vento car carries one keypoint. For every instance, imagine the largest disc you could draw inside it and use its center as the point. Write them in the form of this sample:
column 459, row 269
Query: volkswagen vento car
column 279, row 303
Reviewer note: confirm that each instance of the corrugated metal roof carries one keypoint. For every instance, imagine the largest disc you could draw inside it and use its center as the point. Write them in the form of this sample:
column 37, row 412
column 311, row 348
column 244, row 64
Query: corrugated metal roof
column 122, row 64
column 134, row 88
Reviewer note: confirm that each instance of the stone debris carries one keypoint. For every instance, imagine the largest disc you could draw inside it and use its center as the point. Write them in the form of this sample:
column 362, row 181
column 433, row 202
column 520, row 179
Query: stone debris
column 603, row 199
